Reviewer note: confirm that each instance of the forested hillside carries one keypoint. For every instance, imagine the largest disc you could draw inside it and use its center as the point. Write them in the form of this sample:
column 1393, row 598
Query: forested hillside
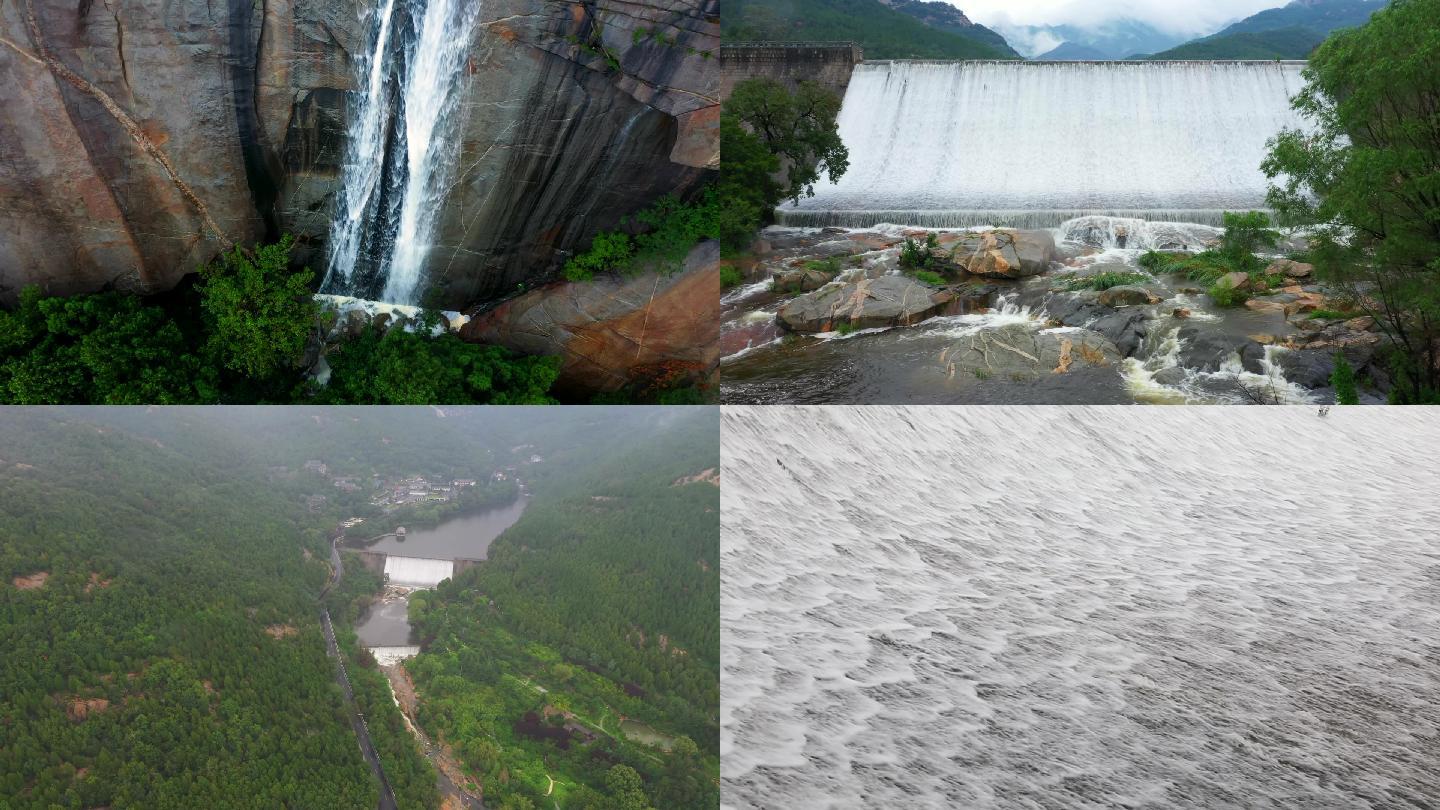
column 1289, row 32
column 600, row 605
column 883, row 32
column 159, row 619
column 161, row 573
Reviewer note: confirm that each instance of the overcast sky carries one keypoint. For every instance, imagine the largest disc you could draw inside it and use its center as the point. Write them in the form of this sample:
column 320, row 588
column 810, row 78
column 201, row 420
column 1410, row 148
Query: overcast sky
column 1176, row 16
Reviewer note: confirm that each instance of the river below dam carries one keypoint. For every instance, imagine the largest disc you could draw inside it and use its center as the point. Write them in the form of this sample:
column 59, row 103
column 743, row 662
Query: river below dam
column 386, row 623
column 1174, row 345
column 940, row 608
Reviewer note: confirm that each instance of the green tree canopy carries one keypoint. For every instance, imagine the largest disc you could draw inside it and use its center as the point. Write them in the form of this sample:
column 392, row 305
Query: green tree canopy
column 797, row 127
column 1367, row 179
column 261, row 312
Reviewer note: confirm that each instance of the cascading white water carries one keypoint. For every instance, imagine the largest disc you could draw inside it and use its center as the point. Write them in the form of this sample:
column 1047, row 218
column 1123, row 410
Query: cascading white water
column 401, row 148
column 418, row 572
column 953, row 144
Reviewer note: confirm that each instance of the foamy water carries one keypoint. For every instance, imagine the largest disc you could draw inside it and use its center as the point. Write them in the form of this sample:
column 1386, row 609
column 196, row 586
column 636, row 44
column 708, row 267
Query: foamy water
column 1080, row 607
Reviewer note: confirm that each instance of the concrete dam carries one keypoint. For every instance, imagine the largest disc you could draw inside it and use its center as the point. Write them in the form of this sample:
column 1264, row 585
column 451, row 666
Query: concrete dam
column 1034, row 144
column 413, row 572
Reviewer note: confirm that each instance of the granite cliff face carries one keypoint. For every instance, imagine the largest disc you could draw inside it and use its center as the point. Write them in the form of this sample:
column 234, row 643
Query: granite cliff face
column 138, row 139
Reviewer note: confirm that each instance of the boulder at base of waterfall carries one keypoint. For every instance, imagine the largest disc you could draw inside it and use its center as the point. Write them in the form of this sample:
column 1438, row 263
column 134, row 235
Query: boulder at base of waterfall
column 1208, row 349
column 1127, row 296
column 865, row 304
column 1020, row 353
column 796, row 281
column 1004, row 253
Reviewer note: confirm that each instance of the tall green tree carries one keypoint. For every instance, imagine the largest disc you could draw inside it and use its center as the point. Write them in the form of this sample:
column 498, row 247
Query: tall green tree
column 261, row 312
column 798, row 127
column 1366, row 178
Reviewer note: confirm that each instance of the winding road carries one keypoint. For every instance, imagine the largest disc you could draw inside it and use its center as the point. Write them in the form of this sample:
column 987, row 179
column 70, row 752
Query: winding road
column 357, row 719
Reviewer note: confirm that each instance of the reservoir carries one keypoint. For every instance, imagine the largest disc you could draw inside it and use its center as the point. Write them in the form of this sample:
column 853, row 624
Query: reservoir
column 386, row 623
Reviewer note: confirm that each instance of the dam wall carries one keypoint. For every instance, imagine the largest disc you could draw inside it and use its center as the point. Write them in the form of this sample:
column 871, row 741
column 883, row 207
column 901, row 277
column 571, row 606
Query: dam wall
column 954, row 144
column 828, row 63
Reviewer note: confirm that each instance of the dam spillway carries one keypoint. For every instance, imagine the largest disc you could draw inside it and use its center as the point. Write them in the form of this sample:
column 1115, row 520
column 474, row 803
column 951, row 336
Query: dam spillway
column 955, row 144
column 418, row 572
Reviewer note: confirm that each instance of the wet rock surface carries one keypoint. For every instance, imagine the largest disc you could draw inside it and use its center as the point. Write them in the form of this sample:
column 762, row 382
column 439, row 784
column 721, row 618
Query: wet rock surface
column 1019, row 353
column 865, row 304
column 1160, row 338
column 615, row 331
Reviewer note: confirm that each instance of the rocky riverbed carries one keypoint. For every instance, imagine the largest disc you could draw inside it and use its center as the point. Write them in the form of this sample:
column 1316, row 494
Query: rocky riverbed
column 829, row 316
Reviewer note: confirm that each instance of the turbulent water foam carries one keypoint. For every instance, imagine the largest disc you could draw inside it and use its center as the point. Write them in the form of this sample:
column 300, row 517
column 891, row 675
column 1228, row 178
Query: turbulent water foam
column 417, row 571
column 952, row 144
column 401, row 146
column 1073, row 607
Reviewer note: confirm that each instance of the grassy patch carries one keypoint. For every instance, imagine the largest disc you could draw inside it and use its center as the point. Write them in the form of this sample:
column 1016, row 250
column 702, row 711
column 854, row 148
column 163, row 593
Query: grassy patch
column 928, row 277
column 1227, row 296
column 1103, row 281
column 731, row 277
column 1332, row 315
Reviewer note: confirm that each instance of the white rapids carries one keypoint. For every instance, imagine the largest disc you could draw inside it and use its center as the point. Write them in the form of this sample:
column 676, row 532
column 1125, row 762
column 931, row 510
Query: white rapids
column 1080, row 607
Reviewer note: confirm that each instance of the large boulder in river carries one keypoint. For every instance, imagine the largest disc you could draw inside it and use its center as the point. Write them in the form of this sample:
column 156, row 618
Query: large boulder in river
column 1019, row 352
column 1127, row 295
column 1004, row 253
column 1209, row 349
column 865, row 304
column 802, row 280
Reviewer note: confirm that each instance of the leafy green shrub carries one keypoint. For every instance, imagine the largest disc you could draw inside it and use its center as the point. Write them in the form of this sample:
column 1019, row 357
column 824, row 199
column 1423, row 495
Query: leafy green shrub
column 1343, row 378
column 1157, row 262
column 1331, row 315
column 917, row 256
column 609, row 252
column 1225, row 296
column 844, row 327
column 1245, row 235
column 730, row 277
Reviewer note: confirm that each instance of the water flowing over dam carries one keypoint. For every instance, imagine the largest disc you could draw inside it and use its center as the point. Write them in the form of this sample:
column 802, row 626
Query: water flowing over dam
column 401, row 148
column 954, row 144
column 417, row 571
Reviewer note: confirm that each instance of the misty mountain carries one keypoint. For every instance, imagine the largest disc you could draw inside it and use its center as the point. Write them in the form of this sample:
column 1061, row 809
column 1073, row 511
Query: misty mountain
column 1290, row 32
column 946, row 17
column 1113, row 39
column 1071, row 52
column 895, row 29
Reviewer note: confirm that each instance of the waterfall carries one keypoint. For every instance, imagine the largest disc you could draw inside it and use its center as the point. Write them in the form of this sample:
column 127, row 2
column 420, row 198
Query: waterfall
column 417, row 571
column 401, row 148
column 951, row 144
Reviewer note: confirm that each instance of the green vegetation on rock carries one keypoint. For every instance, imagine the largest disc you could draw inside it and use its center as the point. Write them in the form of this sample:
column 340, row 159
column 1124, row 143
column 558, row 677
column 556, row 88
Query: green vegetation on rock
column 240, row 335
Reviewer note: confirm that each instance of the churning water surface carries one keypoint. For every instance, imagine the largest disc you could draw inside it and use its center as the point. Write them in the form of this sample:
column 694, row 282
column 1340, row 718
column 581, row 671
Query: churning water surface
column 1080, row 607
